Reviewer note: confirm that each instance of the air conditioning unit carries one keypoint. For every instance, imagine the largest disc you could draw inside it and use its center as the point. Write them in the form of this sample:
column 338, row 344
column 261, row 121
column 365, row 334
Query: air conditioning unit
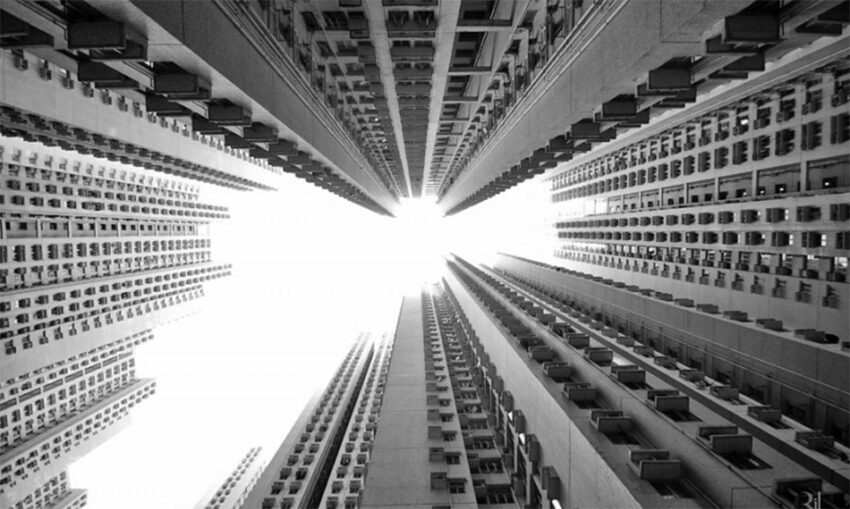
column 749, row 216
column 775, row 215
column 784, row 115
column 439, row 481
column 839, row 212
column 810, row 239
column 655, row 465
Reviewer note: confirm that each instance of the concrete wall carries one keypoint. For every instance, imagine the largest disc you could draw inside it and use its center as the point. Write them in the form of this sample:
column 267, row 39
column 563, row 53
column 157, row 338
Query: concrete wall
column 245, row 65
column 399, row 467
column 587, row 478
column 629, row 39
column 807, row 375
column 50, row 99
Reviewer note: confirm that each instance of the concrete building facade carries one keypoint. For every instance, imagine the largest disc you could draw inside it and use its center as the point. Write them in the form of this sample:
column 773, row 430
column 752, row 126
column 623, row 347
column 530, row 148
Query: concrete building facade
column 93, row 256
column 500, row 389
column 685, row 346
column 419, row 433
column 378, row 101
column 301, row 467
column 103, row 236
column 55, row 493
column 615, row 422
column 233, row 491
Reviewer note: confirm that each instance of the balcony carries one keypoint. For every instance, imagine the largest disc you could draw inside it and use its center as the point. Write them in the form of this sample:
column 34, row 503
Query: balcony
column 814, row 440
column 611, row 421
column 557, row 370
column 692, row 375
column 655, row 465
column 411, row 53
column 599, row 355
column 577, row 340
column 541, row 353
column 669, row 401
column 726, row 440
column 724, row 392
column 409, row 28
column 765, row 414
column 628, row 374
column 579, row 392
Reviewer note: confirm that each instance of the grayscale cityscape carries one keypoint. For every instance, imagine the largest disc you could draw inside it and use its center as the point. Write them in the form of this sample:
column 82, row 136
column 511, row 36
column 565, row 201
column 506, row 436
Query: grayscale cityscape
column 424, row 254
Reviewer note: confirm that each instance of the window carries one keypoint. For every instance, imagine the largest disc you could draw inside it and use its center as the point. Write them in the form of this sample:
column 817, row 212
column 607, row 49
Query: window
column 482, row 444
column 457, row 485
column 490, row 466
column 453, row 459
column 671, row 489
column 745, row 461
column 500, row 495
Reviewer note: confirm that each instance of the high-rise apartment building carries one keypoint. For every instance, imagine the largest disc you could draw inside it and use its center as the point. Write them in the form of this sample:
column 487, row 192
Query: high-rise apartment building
column 504, row 390
column 323, row 456
column 94, row 254
column 233, row 491
column 376, row 101
column 55, row 493
column 686, row 345
column 104, row 237
column 400, row 424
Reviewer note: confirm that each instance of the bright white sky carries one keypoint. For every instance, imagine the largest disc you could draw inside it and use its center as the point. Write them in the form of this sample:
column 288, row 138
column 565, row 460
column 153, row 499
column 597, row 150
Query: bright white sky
column 310, row 272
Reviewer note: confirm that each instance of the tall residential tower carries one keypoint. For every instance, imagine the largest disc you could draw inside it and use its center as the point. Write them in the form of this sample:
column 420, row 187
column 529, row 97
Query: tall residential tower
column 685, row 345
column 233, row 491
column 501, row 390
column 93, row 256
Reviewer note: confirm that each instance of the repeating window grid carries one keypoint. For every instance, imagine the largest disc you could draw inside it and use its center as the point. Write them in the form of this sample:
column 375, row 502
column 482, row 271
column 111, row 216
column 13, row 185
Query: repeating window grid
column 25, row 189
column 40, row 408
column 459, row 336
column 62, row 439
column 48, row 374
column 732, row 189
column 117, row 104
column 37, row 263
column 300, row 462
column 789, row 105
column 446, row 343
column 53, row 490
column 350, row 465
column 233, row 480
column 740, row 227
column 25, row 226
column 133, row 295
column 806, row 120
column 539, row 282
column 18, row 160
column 143, row 306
